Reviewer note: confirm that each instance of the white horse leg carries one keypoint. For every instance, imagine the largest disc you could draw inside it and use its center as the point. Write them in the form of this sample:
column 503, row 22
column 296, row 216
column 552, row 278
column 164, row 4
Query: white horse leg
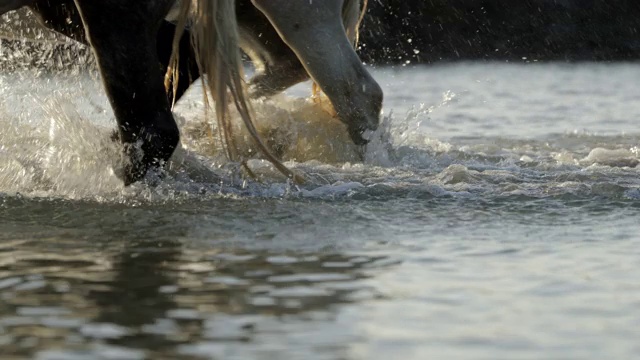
column 313, row 29
column 277, row 66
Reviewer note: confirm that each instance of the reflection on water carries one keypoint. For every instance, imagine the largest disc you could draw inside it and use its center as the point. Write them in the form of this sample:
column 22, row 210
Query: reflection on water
column 77, row 297
column 497, row 218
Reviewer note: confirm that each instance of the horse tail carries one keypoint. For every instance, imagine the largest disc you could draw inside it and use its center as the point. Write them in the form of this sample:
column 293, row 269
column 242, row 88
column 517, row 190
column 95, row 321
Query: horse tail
column 215, row 40
column 352, row 15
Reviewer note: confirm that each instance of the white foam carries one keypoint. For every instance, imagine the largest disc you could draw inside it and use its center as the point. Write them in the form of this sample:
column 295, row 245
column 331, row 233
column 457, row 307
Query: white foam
column 611, row 157
column 55, row 143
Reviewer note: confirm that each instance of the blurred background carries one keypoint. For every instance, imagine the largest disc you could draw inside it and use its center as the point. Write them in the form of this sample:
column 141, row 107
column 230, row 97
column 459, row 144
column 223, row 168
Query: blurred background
column 425, row 31
column 428, row 31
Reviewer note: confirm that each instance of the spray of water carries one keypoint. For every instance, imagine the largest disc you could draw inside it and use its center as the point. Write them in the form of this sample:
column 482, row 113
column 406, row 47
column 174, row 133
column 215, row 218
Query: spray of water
column 55, row 141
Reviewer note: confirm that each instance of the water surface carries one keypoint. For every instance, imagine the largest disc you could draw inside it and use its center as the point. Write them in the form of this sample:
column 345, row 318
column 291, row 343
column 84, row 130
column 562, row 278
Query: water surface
column 495, row 217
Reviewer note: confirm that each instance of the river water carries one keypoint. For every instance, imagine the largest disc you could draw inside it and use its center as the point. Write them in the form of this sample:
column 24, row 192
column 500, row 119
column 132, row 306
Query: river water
column 496, row 216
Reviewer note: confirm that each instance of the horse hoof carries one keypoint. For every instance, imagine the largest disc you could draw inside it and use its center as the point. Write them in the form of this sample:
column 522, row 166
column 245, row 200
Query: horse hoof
column 151, row 150
column 357, row 137
column 361, row 134
column 134, row 168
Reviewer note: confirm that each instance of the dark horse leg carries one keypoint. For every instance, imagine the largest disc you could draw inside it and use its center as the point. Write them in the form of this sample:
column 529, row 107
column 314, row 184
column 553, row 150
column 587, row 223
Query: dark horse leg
column 63, row 17
column 123, row 35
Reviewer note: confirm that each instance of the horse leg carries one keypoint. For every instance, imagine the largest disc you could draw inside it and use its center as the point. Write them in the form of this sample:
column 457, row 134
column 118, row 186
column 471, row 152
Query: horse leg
column 123, row 34
column 315, row 32
column 62, row 17
column 277, row 67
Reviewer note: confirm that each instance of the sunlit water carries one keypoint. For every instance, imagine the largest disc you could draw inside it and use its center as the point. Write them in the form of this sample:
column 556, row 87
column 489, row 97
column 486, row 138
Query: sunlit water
column 495, row 217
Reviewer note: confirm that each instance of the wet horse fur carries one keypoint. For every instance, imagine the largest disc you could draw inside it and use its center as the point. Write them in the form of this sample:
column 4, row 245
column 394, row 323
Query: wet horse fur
column 134, row 52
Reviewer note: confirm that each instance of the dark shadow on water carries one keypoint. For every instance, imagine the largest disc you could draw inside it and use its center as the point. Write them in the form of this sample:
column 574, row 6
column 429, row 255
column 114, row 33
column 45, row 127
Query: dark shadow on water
column 68, row 292
column 133, row 297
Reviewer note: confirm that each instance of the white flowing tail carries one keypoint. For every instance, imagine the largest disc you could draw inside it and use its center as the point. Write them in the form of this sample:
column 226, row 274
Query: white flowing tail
column 352, row 14
column 215, row 39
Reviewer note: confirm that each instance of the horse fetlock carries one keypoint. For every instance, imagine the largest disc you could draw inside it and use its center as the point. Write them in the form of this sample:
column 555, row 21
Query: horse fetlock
column 149, row 149
column 361, row 128
column 359, row 107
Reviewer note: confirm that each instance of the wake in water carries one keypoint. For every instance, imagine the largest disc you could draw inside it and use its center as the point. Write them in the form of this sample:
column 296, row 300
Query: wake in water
column 56, row 144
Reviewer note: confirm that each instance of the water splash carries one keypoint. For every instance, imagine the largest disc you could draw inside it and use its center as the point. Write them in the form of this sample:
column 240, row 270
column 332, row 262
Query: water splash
column 69, row 156
column 54, row 142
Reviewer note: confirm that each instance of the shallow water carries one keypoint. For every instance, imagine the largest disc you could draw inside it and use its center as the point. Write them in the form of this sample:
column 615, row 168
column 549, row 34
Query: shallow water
column 495, row 217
